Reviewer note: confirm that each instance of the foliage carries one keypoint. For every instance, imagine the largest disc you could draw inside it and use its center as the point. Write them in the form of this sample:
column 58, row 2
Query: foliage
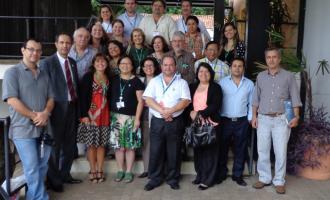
column 309, row 141
column 95, row 6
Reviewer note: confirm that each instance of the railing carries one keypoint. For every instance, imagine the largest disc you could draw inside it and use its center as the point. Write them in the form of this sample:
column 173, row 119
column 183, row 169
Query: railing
column 52, row 23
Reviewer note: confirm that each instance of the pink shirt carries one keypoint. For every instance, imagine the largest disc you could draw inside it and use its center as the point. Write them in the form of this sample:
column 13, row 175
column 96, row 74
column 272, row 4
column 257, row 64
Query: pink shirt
column 199, row 100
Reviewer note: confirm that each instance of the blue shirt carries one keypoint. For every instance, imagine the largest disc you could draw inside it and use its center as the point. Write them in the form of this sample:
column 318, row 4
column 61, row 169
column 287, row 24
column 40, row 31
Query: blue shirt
column 236, row 100
column 130, row 23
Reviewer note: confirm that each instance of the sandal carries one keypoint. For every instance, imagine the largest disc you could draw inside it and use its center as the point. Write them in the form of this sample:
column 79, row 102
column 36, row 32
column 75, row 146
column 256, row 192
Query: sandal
column 128, row 177
column 92, row 177
column 100, row 177
column 120, row 175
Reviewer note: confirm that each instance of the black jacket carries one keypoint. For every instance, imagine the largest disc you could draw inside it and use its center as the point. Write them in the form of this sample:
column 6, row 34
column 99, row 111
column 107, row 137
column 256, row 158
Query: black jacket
column 86, row 91
column 214, row 101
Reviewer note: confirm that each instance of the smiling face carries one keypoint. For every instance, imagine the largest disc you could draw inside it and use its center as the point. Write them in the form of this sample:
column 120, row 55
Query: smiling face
column 168, row 66
column 114, row 50
column 158, row 8
column 186, row 8
column 100, row 64
column 229, row 32
column 192, row 26
column 237, row 68
column 81, row 38
column 63, row 45
column 211, row 52
column 117, row 29
column 105, row 14
column 32, row 52
column 137, row 38
column 97, row 31
column 204, row 75
column 126, row 66
column 158, row 45
column 177, row 43
column 148, row 68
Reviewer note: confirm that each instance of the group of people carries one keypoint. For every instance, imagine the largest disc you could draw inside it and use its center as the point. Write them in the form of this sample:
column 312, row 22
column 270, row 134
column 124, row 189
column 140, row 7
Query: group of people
column 136, row 82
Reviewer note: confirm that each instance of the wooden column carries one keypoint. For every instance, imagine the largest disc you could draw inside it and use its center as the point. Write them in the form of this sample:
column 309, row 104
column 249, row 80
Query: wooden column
column 219, row 12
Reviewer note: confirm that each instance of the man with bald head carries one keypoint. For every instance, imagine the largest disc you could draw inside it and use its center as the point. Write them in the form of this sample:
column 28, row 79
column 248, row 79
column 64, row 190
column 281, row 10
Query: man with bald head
column 81, row 52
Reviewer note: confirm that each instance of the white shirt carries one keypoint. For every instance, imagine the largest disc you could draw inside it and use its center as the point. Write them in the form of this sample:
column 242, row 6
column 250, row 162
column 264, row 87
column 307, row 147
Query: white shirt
column 164, row 27
column 181, row 26
column 62, row 61
column 107, row 27
column 167, row 95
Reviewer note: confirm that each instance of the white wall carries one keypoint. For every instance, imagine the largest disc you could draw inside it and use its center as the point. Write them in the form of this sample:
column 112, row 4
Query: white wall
column 317, row 47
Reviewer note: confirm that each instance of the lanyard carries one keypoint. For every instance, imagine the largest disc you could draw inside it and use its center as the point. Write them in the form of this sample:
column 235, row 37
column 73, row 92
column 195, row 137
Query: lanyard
column 169, row 85
column 210, row 63
column 139, row 56
column 129, row 21
column 121, row 88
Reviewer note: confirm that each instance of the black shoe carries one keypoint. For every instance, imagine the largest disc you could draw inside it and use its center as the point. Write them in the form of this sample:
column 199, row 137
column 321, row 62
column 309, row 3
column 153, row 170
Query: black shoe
column 71, row 180
column 239, row 181
column 149, row 187
column 54, row 187
column 174, row 186
column 195, row 182
column 221, row 179
column 202, row 187
column 143, row 175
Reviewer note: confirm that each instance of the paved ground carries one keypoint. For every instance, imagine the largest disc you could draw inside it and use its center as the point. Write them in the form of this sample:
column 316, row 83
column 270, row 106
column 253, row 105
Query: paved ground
column 297, row 188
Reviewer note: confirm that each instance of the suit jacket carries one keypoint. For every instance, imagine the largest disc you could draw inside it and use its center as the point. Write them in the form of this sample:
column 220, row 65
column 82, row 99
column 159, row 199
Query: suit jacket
column 213, row 102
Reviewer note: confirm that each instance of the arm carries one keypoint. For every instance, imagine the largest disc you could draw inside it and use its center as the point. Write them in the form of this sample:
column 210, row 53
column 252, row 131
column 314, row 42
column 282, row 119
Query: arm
column 215, row 102
column 42, row 117
column 294, row 122
column 21, row 108
column 254, row 117
column 249, row 114
column 139, row 109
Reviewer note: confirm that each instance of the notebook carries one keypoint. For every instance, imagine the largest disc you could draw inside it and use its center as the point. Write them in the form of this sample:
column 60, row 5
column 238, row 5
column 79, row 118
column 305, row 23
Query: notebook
column 288, row 111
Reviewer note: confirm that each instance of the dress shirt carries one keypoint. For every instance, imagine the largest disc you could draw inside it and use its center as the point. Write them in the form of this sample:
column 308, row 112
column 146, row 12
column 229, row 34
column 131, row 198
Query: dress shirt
column 236, row 100
column 107, row 27
column 164, row 27
column 181, row 26
column 272, row 90
column 220, row 68
column 62, row 60
column 130, row 23
column 83, row 62
column 168, row 95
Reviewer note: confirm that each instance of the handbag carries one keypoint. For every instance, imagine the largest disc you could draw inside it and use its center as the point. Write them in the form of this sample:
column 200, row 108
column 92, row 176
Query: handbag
column 199, row 134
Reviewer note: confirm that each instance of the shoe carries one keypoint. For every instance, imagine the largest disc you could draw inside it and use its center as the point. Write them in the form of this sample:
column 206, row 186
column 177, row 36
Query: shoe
column 203, row 187
column 149, row 187
column 195, row 182
column 71, row 180
column 143, row 175
column 100, row 177
column 239, row 181
column 280, row 189
column 55, row 187
column 92, row 177
column 260, row 185
column 128, row 177
column 120, row 175
column 221, row 179
column 174, row 186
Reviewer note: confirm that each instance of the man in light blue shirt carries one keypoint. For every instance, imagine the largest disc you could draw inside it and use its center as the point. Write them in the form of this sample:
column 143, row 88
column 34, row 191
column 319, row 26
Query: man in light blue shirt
column 130, row 17
column 236, row 113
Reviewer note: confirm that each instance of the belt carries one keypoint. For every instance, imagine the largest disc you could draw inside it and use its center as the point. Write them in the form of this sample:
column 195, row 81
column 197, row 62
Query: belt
column 273, row 114
column 235, row 119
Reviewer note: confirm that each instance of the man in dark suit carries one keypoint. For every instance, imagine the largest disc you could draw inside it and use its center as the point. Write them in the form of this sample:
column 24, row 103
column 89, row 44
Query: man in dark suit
column 62, row 71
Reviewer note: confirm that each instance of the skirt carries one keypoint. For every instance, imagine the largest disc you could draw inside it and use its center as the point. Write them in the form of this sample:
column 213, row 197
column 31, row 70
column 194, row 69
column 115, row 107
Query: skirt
column 122, row 134
column 92, row 135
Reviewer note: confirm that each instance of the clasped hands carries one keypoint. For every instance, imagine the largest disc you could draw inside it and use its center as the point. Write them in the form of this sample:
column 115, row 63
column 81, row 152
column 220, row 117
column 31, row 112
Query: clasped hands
column 40, row 118
column 167, row 113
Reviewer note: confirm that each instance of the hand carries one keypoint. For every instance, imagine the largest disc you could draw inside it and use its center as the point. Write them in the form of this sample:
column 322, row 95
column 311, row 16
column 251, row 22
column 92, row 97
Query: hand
column 85, row 120
column 136, row 124
column 193, row 114
column 294, row 122
column 254, row 122
column 41, row 118
column 166, row 113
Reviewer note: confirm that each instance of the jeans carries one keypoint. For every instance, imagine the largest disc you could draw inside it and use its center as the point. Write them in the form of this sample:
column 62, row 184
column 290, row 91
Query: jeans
column 272, row 129
column 34, row 167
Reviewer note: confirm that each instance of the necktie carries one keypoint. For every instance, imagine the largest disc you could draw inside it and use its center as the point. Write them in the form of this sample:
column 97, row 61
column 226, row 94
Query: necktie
column 69, row 81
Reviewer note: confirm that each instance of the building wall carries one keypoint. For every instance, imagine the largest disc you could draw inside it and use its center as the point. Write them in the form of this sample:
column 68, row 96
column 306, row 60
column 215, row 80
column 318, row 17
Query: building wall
column 316, row 47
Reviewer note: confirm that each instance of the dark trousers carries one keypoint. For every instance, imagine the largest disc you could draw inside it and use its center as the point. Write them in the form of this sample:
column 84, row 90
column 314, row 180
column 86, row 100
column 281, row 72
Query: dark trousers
column 64, row 123
column 206, row 162
column 235, row 132
column 165, row 144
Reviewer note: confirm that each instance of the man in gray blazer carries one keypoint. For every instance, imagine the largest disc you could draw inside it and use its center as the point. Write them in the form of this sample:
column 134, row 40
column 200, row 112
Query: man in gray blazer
column 62, row 71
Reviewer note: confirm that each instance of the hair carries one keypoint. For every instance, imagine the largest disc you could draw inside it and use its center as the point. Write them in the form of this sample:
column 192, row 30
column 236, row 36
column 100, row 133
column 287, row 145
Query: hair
column 57, row 36
column 161, row 1
column 118, row 21
column 80, row 28
column 223, row 39
column 273, row 49
column 100, row 55
column 110, row 9
column 104, row 39
column 28, row 40
column 178, row 34
column 168, row 56
column 192, row 17
column 141, row 32
column 212, row 42
column 118, row 44
column 155, row 63
column 165, row 45
column 135, row 1
column 208, row 67
column 127, row 56
column 186, row 1
column 238, row 59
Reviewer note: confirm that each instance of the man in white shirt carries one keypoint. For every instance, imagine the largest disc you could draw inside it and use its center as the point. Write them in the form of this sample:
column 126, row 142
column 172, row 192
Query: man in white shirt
column 186, row 7
column 167, row 95
column 158, row 23
column 130, row 18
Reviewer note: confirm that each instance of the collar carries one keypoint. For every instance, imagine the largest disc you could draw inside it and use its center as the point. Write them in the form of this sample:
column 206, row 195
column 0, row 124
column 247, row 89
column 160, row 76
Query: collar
column 25, row 67
column 213, row 62
column 61, row 59
column 276, row 73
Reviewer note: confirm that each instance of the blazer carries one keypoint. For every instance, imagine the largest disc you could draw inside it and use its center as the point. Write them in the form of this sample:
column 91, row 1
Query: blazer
column 54, row 70
column 213, row 102
column 86, row 86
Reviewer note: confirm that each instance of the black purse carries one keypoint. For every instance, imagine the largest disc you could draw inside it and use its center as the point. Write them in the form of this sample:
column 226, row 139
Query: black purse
column 199, row 134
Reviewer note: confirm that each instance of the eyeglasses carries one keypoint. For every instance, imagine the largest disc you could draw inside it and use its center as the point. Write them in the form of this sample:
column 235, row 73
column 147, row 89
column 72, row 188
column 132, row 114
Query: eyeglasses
column 125, row 63
column 32, row 50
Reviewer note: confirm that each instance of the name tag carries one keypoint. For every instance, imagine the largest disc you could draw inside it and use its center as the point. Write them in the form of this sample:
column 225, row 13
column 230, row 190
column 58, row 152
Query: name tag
column 155, row 33
column 120, row 104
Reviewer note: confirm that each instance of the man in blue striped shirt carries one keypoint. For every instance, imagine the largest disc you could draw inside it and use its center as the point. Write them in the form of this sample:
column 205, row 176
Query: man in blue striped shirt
column 236, row 113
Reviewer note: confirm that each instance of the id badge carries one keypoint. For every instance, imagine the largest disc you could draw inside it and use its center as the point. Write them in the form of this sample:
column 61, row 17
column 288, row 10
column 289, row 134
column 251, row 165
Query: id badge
column 120, row 104
column 194, row 54
column 155, row 33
